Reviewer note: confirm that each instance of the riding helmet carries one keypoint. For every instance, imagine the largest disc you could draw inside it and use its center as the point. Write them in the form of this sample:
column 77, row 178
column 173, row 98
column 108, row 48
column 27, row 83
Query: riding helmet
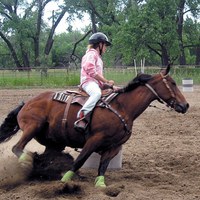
column 99, row 37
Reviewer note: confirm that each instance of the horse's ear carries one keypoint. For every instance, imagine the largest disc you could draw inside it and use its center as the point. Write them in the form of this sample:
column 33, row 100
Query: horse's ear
column 166, row 70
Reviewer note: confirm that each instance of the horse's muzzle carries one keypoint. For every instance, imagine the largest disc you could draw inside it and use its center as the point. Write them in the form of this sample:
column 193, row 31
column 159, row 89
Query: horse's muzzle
column 181, row 107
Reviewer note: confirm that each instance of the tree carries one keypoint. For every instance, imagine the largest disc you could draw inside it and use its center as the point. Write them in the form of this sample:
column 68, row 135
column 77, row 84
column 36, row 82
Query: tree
column 12, row 50
column 157, row 20
column 62, row 54
column 157, row 25
column 192, row 37
column 157, row 30
column 23, row 21
column 9, row 11
column 184, row 7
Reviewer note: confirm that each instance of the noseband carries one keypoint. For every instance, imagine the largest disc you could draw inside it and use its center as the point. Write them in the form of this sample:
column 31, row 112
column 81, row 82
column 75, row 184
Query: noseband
column 172, row 102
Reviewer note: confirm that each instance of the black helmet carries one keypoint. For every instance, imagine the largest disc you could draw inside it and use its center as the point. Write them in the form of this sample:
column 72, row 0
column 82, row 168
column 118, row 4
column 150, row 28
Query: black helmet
column 99, row 37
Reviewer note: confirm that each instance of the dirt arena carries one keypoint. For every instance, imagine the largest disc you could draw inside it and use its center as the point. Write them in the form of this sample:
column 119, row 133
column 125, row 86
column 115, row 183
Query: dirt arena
column 160, row 161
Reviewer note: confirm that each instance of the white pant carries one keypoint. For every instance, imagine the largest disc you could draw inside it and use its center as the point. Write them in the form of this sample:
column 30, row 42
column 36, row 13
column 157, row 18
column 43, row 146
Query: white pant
column 94, row 92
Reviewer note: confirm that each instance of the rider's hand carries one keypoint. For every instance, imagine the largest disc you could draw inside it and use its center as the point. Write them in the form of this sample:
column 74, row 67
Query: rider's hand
column 111, row 82
column 116, row 88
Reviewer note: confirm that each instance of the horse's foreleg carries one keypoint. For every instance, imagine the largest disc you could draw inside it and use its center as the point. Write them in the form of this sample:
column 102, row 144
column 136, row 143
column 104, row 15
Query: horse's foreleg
column 80, row 160
column 104, row 162
column 90, row 146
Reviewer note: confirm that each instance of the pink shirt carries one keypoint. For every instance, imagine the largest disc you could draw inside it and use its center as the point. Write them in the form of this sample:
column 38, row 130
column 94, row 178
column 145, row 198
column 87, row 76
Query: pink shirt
column 91, row 65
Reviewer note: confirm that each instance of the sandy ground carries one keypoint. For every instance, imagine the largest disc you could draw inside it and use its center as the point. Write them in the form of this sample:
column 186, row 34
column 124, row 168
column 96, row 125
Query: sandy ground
column 160, row 161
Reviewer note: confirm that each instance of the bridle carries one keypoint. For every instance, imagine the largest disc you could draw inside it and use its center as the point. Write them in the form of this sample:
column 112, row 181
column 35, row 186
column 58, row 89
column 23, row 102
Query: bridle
column 173, row 99
column 170, row 104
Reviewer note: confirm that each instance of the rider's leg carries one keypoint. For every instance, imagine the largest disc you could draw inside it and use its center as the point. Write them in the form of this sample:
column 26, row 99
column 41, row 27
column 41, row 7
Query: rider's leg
column 94, row 92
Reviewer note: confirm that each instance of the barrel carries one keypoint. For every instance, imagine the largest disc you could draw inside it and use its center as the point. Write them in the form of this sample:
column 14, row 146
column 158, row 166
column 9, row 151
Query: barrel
column 93, row 161
column 187, row 84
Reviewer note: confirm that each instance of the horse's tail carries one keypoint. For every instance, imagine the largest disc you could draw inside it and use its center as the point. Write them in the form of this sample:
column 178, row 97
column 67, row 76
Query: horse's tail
column 10, row 125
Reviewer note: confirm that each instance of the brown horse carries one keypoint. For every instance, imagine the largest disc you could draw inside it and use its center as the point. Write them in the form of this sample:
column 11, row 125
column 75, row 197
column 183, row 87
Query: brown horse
column 110, row 127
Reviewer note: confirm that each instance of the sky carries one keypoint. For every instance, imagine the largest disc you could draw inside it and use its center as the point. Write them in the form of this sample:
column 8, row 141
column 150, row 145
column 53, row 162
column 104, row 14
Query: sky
column 77, row 25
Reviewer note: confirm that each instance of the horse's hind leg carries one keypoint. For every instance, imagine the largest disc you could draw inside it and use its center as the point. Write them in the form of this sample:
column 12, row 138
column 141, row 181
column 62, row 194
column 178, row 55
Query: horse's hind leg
column 106, row 157
column 25, row 158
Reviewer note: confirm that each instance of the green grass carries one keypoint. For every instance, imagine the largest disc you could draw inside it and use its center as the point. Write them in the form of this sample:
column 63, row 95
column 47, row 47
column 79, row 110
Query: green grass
column 122, row 76
column 34, row 78
column 180, row 73
column 55, row 78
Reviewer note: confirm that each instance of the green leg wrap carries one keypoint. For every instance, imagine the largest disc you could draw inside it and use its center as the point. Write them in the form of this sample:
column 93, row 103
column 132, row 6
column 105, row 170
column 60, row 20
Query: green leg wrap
column 100, row 182
column 26, row 161
column 26, row 158
column 68, row 176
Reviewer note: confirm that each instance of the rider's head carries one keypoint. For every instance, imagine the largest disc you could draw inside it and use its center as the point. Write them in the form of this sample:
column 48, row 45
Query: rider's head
column 98, row 38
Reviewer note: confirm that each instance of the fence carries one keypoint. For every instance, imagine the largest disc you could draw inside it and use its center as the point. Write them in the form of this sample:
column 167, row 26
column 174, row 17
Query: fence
column 11, row 78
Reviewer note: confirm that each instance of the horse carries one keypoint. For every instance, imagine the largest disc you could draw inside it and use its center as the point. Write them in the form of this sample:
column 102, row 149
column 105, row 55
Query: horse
column 110, row 127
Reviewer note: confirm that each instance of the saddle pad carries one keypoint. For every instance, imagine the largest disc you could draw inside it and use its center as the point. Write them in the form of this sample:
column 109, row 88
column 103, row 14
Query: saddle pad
column 61, row 96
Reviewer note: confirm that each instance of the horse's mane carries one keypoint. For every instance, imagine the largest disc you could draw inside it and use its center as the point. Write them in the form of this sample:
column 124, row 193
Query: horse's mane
column 140, row 79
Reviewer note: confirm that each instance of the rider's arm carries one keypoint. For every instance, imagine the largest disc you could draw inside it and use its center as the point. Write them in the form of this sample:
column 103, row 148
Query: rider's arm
column 102, row 79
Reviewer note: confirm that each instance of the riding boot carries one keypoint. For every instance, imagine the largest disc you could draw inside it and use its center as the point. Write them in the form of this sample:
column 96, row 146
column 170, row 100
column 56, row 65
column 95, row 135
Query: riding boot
column 81, row 123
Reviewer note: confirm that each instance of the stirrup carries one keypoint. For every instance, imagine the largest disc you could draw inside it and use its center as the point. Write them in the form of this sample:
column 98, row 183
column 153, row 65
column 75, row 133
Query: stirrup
column 80, row 127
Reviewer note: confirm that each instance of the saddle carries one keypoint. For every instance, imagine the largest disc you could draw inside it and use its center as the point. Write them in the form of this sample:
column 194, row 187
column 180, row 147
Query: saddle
column 80, row 97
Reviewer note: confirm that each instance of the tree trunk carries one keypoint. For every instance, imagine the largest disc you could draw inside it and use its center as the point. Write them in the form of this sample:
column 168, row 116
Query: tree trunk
column 37, row 35
column 182, row 59
column 197, row 62
column 26, row 63
column 165, row 57
column 50, row 40
column 162, row 53
column 13, row 53
column 94, row 27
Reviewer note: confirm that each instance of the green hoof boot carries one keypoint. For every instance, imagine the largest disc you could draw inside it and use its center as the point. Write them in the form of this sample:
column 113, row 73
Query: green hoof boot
column 100, row 182
column 68, row 176
column 26, row 160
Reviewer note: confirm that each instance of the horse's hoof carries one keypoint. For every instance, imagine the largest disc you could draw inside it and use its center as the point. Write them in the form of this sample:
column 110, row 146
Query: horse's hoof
column 100, row 182
column 68, row 176
column 26, row 161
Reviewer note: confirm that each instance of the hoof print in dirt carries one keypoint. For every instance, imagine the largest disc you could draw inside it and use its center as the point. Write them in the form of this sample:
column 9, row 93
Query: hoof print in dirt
column 113, row 191
column 71, row 189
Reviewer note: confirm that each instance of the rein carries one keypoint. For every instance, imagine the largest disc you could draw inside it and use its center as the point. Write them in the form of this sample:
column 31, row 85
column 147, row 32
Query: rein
column 153, row 91
column 106, row 105
column 167, row 86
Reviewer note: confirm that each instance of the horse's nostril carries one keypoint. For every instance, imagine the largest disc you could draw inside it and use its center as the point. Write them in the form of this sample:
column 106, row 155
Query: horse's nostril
column 185, row 107
column 182, row 108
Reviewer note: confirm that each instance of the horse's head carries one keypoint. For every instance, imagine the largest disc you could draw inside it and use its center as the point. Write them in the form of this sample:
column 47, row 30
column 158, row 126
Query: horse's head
column 166, row 91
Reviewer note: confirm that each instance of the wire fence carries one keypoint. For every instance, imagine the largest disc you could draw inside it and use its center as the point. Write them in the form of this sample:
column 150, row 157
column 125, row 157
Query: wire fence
column 52, row 78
